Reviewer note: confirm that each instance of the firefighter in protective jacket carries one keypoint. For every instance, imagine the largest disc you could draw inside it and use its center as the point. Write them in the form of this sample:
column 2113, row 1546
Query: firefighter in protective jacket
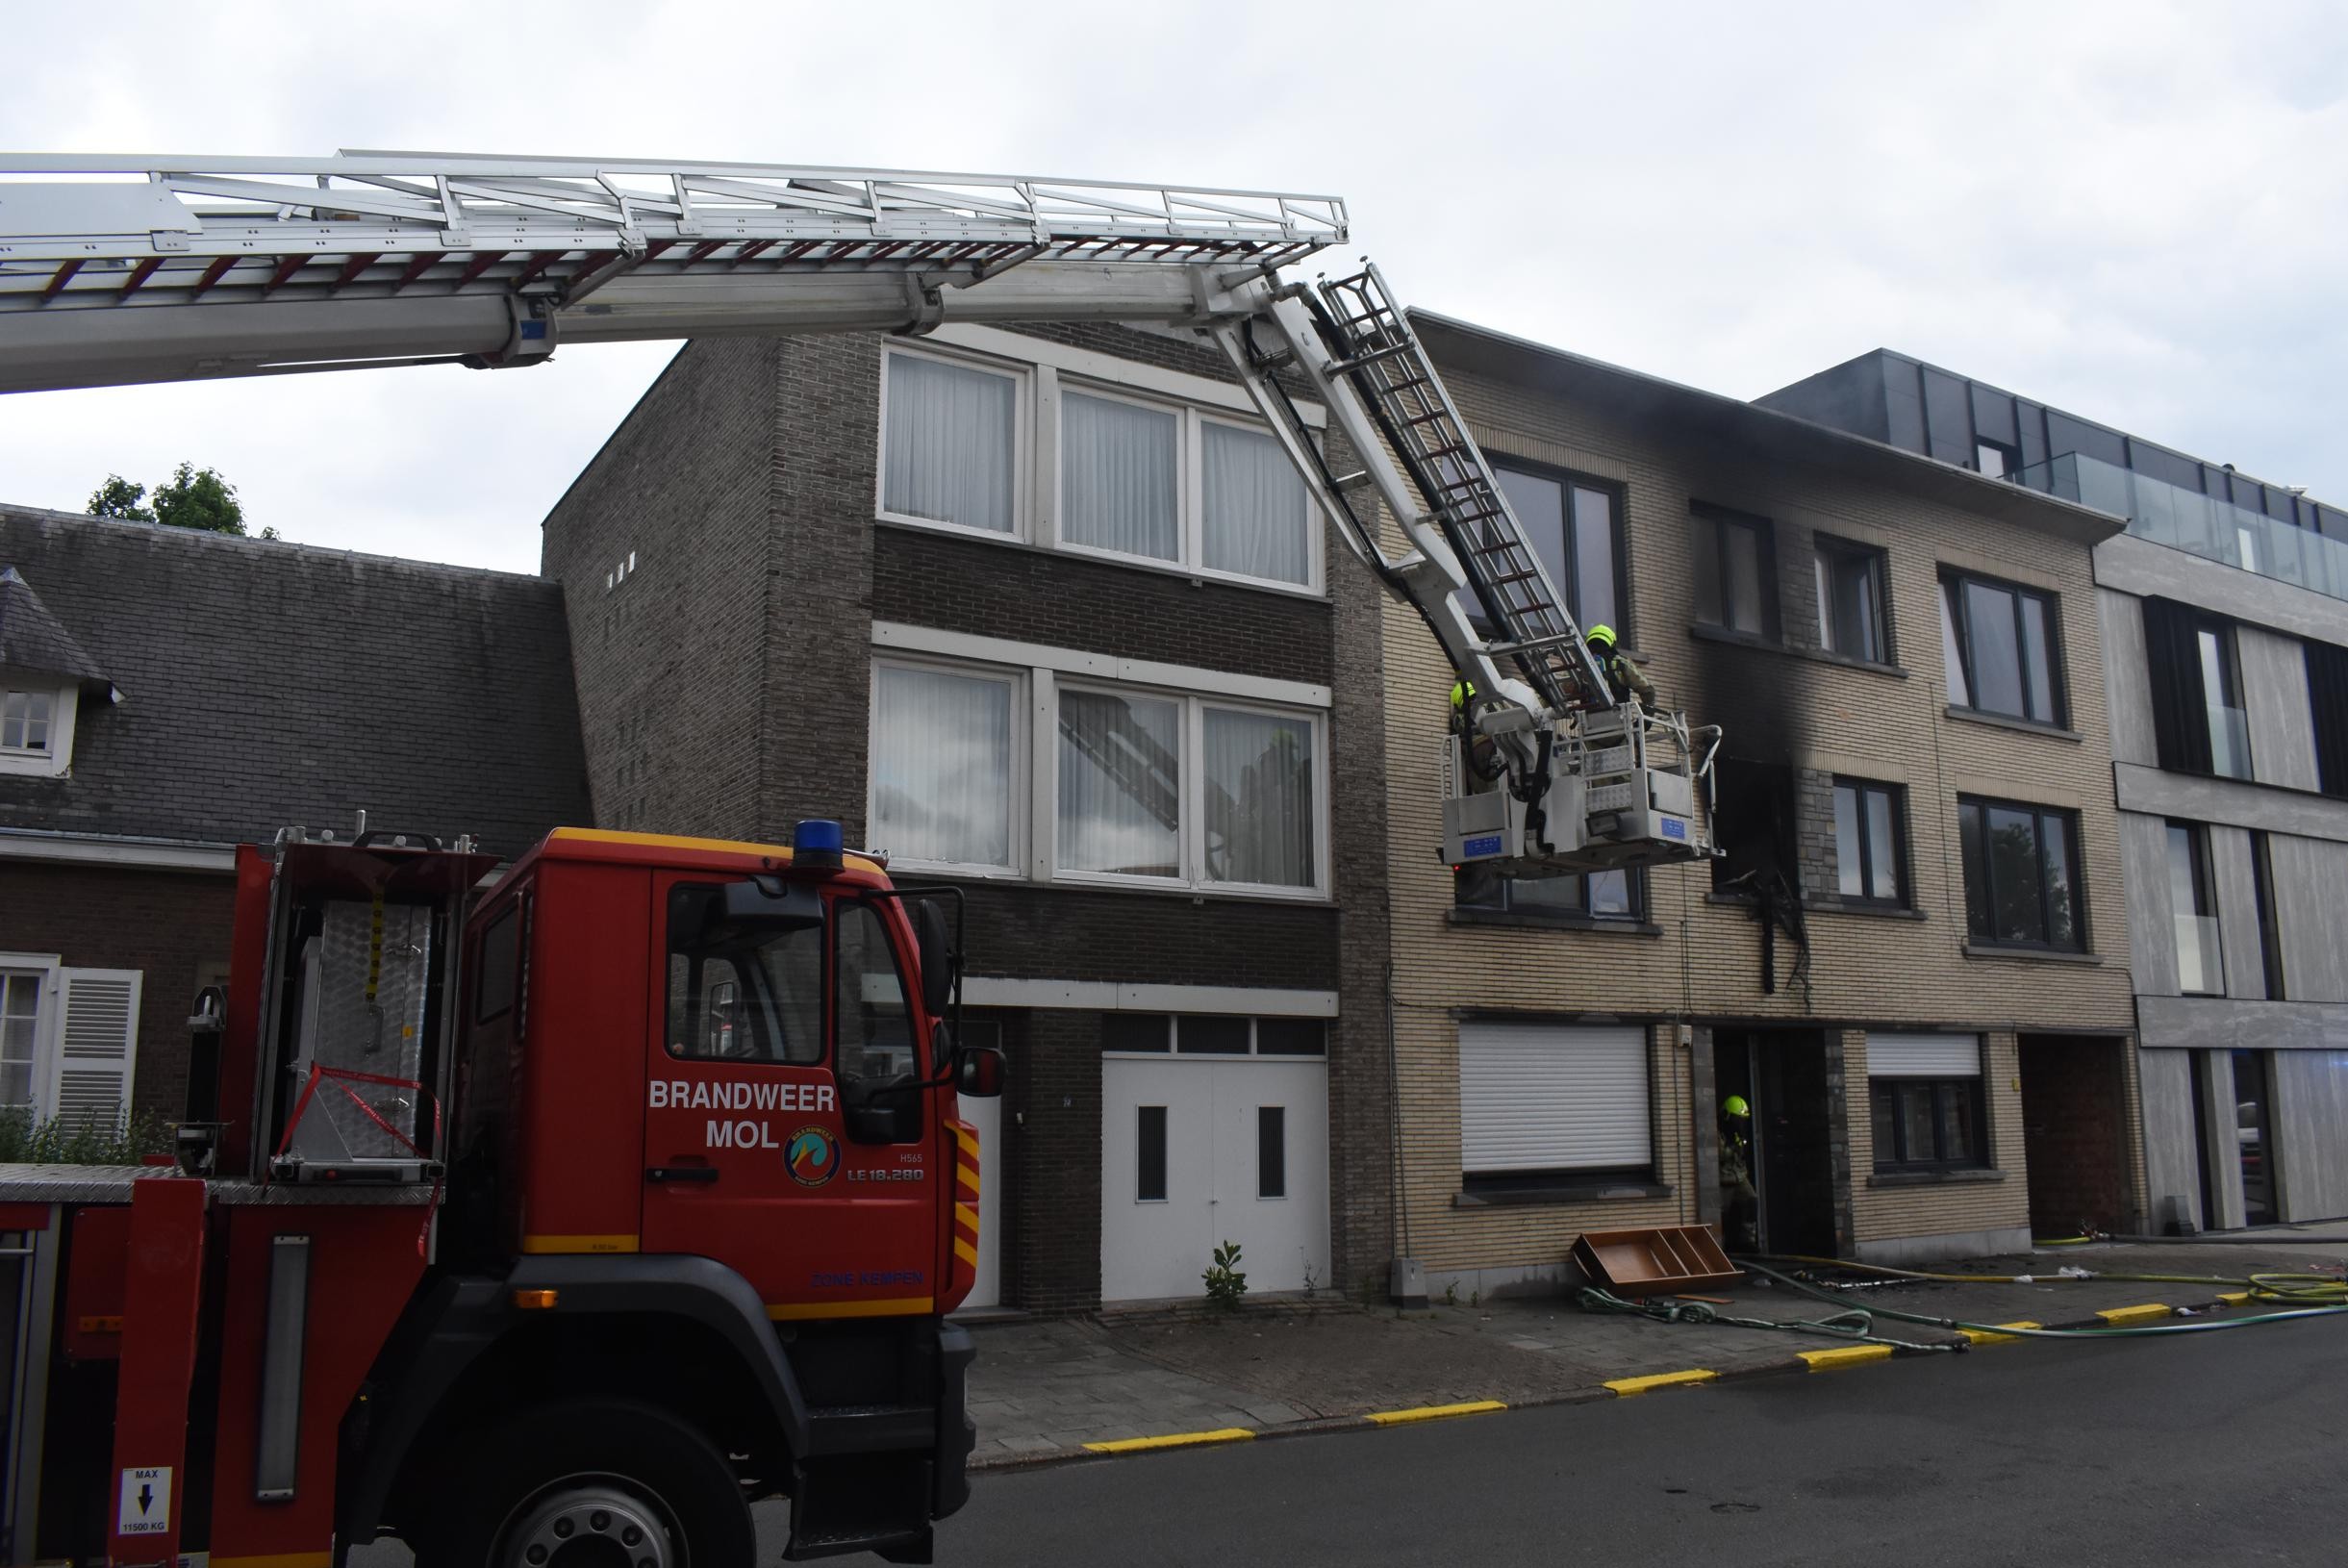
column 1622, row 672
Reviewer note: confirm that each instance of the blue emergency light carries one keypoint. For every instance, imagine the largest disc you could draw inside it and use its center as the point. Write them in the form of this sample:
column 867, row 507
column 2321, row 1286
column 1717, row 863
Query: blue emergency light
column 815, row 842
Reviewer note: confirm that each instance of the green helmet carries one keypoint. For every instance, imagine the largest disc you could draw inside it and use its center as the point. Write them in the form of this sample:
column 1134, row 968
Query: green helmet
column 1734, row 1106
column 1602, row 635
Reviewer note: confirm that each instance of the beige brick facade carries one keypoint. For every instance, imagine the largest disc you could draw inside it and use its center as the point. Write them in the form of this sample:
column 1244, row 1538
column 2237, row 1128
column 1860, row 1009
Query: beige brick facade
column 1694, row 958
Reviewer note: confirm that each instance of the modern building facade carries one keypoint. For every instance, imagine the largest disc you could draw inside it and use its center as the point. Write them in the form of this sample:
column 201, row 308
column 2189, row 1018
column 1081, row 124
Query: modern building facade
column 166, row 694
column 2223, row 612
column 1044, row 616
column 1913, row 963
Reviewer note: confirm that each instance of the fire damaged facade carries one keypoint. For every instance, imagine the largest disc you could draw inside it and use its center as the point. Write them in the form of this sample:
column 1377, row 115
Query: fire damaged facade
column 1044, row 616
column 2223, row 615
column 1894, row 1021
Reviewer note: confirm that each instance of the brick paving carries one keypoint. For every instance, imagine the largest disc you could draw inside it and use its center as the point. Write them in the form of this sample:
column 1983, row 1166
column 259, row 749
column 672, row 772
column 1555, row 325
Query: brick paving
column 1041, row 1390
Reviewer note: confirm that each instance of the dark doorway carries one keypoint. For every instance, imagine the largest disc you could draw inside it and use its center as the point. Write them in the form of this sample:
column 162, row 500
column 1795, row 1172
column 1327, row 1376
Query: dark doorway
column 1787, row 1204
column 2074, row 1133
column 2254, row 1134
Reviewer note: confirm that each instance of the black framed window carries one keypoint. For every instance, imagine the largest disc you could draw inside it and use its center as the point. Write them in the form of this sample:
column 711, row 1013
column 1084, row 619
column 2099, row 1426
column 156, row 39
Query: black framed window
column 1852, row 604
column 2270, row 929
column 1735, row 566
column 1928, row 1124
column 1270, row 1151
column 1995, row 458
column 1601, row 895
column 2022, row 882
column 2201, row 966
column 2002, row 649
column 1150, row 1154
column 1870, row 841
column 1576, row 525
column 2199, row 724
column 2328, row 701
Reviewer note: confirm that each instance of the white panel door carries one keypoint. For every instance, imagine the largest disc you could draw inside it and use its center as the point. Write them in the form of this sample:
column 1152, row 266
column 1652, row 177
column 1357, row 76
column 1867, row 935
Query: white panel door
column 1272, row 1161
column 986, row 1116
column 1156, row 1169
column 1183, row 1151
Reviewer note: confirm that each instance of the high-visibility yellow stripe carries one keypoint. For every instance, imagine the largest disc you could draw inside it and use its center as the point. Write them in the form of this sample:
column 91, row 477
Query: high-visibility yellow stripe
column 674, row 841
column 964, row 1251
column 1982, row 1337
column 1846, row 1355
column 1433, row 1412
column 2135, row 1314
column 900, row 1307
column 283, row 1559
column 1135, row 1445
column 1628, row 1386
column 578, row 1244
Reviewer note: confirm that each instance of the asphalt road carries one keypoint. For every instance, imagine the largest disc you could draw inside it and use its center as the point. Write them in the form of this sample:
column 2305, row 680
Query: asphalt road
column 2205, row 1448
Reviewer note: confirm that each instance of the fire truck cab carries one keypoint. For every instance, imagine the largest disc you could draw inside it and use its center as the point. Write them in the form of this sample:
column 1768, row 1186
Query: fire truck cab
column 549, row 1224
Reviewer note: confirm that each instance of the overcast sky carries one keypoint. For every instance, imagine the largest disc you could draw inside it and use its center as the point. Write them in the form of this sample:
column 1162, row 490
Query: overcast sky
column 2136, row 212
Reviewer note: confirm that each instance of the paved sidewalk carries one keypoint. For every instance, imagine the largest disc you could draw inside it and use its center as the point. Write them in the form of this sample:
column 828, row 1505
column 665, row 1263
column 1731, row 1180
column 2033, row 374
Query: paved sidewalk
column 1044, row 1390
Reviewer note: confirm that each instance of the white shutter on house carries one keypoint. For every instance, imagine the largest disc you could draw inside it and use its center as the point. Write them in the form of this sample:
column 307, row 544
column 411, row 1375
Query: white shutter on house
column 1905, row 1056
column 1545, row 1097
column 97, row 1042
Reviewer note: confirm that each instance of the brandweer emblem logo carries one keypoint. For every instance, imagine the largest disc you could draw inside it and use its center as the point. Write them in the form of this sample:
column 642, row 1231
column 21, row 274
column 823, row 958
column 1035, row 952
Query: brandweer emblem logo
column 813, row 1156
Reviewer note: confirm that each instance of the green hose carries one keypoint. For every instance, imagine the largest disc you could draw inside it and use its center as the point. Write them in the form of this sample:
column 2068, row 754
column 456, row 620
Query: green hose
column 2299, row 1289
column 1955, row 1325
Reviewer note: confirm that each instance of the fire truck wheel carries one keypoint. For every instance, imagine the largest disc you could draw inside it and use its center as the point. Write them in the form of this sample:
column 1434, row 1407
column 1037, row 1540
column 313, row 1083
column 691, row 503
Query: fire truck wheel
column 595, row 1483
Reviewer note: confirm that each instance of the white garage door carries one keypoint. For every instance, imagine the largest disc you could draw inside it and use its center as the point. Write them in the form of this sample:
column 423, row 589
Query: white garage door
column 1198, row 1150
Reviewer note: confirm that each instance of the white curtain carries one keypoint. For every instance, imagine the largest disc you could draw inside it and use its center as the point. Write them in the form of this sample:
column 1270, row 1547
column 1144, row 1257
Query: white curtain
column 950, row 439
column 1117, row 476
column 1258, row 771
column 1256, row 522
column 942, row 768
column 1121, row 784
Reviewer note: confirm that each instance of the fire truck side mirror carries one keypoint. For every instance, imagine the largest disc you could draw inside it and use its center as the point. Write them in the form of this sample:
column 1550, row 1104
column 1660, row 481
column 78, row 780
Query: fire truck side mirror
column 938, row 956
column 978, row 1072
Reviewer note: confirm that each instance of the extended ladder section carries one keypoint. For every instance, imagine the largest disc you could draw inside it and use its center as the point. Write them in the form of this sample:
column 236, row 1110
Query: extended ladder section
column 121, row 270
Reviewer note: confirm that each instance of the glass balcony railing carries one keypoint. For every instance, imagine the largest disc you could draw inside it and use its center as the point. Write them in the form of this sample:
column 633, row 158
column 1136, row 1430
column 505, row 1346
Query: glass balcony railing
column 2203, row 525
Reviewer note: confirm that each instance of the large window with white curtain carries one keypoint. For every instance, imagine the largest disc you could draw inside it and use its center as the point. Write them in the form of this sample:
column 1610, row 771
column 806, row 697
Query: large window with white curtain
column 946, row 766
column 950, row 443
column 1140, row 478
column 1132, row 785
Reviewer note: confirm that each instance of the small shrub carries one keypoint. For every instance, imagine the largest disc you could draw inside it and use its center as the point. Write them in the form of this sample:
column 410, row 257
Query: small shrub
column 24, row 1141
column 1225, row 1286
column 1451, row 1294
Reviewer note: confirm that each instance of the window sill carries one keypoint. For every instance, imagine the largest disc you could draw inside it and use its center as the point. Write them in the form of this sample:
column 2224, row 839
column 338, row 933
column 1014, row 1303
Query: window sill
column 1769, row 644
column 1934, row 1178
column 1552, row 922
column 1012, row 881
column 2027, row 726
column 2029, row 955
column 1845, row 906
column 1198, row 578
column 1581, row 1192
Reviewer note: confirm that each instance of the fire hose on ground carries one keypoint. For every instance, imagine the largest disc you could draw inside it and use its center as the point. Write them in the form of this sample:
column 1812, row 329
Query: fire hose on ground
column 2303, row 1295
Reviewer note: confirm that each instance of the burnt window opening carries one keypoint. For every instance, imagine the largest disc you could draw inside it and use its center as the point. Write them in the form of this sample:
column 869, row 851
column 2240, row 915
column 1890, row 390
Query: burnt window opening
column 1753, row 822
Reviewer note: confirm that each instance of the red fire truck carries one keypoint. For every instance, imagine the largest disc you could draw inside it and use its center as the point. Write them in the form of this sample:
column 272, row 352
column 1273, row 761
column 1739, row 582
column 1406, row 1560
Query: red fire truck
column 551, row 1225
column 705, row 1203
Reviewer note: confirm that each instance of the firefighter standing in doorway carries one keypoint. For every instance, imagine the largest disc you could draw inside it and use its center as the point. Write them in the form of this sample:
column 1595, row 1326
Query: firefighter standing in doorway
column 1740, row 1201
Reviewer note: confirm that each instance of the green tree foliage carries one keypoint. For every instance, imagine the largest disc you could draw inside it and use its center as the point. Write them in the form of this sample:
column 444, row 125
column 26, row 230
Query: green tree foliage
column 192, row 497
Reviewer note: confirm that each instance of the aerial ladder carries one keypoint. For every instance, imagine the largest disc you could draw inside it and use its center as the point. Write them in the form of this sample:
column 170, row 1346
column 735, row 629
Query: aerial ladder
column 119, row 271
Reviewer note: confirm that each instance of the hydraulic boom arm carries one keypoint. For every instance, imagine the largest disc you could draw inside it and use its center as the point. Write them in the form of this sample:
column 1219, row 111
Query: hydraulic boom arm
column 119, row 270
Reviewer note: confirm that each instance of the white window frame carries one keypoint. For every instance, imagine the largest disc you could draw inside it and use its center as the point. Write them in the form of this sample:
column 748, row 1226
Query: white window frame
column 1038, row 509
column 1316, row 536
column 50, row 967
column 1187, row 459
column 1022, row 444
column 1021, row 789
column 58, row 757
column 1190, row 834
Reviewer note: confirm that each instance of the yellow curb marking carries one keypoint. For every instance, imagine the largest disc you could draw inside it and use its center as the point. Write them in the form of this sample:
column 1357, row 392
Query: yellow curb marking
column 1982, row 1337
column 1627, row 1386
column 1133, row 1445
column 2135, row 1314
column 1846, row 1355
column 1434, row 1412
column 2235, row 1298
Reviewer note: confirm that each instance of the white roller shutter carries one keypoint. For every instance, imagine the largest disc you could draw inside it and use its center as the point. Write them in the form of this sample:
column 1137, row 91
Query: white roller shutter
column 98, row 1043
column 1545, row 1097
column 1905, row 1056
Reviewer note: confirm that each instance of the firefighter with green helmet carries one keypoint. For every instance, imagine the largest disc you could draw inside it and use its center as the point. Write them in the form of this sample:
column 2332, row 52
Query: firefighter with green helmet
column 1623, row 673
column 1739, row 1198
